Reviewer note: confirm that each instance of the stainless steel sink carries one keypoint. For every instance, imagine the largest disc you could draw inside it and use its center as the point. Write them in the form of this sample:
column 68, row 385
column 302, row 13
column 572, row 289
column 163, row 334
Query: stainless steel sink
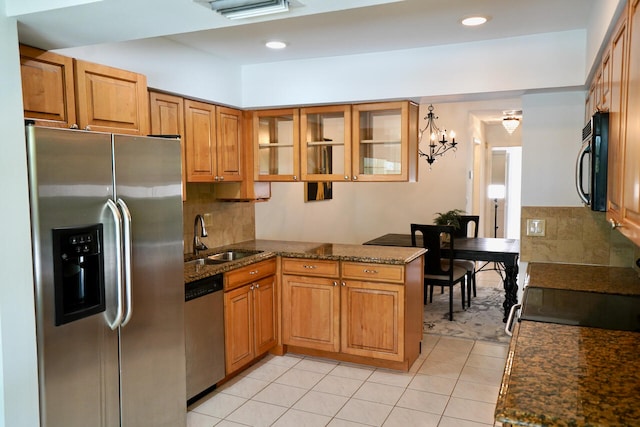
column 203, row 261
column 231, row 255
column 221, row 257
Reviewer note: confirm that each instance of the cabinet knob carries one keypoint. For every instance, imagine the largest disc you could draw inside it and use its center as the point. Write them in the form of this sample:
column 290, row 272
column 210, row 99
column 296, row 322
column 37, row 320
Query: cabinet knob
column 310, row 267
column 344, row 284
column 355, row 177
column 253, row 272
column 370, row 271
column 87, row 127
column 251, row 287
column 221, row 178
column 614, row 224
column 295, row 177
column 347, row 177
column 257, row 286
column 74, row 126
column 335, row 283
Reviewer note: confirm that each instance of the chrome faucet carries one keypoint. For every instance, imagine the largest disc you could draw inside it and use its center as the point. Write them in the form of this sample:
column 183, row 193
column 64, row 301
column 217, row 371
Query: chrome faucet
column 197, row 244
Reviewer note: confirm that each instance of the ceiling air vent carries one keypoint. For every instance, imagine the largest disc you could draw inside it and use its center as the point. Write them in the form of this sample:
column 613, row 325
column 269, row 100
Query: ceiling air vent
column 240, row 9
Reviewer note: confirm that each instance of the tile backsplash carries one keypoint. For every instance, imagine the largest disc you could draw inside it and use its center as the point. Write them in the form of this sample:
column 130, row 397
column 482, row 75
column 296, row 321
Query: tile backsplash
column 226, row 222
column 575, row 235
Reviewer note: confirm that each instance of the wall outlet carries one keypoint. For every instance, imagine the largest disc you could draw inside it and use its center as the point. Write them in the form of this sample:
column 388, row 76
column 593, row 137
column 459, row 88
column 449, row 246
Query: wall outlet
column 535, row 227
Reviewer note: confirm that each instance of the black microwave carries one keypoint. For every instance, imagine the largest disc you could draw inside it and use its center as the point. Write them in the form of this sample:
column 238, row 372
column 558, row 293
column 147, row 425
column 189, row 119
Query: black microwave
column 591, row 164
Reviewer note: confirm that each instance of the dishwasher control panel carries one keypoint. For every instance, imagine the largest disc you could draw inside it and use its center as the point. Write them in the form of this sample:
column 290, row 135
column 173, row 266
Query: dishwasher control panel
column 203, row 287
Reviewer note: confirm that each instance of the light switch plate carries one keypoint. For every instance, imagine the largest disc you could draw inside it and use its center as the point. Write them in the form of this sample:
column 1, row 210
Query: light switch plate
column 535, row 227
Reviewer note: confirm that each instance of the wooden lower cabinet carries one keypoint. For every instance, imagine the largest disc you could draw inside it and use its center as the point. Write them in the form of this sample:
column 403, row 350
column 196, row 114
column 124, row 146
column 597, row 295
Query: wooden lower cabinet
column 311, row 312
column 250, row 316
column 372, row 318
column 264, row 310
column 370, row 313
column 249, row 322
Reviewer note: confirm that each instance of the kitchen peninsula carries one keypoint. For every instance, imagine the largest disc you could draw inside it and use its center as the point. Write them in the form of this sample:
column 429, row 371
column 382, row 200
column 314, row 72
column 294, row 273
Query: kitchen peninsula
column 355, row 303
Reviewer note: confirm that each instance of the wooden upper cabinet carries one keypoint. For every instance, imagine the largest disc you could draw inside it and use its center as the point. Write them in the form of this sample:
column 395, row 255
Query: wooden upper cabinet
column 167, row 118
column 47, row 88
column 605, row 80
column 110, row 99
column 630, row 224
column 385, row 141
column 229, row 144
column 213, row 142
column 617, row 118
column 248, row 189
column 276, row 135
column 200, row 139
column 325, row 144
column 59, row 91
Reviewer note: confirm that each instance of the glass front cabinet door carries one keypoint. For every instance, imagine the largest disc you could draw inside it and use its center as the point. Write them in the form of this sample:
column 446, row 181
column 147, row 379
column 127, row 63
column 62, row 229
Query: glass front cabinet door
column 326, row 143
column 277, row 142
column 385, row 141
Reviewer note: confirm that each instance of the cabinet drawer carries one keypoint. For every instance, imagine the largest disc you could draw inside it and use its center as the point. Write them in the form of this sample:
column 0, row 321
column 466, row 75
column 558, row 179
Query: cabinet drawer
column 248, row 274
column 370, row 271
column 310, row 267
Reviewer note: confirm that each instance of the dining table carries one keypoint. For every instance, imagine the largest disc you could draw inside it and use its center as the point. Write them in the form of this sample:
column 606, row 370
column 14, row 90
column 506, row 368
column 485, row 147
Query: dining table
column 505, row 252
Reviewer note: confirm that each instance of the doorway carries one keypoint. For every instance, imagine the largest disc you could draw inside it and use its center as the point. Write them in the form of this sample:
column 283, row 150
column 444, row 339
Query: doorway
column 504, row 193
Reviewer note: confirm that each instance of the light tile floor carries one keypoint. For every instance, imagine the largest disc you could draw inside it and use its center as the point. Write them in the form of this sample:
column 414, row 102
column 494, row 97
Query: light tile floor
column 454, row 383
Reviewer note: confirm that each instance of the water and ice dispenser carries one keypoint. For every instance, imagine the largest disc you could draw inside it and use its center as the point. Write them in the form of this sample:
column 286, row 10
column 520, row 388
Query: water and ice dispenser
column 78, row 267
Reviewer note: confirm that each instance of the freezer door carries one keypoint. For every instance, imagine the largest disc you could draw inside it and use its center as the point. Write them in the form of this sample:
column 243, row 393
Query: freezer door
column 148, row 181
column 70, row 179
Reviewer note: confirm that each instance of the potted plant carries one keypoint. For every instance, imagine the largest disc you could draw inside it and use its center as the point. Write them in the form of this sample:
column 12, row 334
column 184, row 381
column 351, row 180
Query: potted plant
column 451, row 217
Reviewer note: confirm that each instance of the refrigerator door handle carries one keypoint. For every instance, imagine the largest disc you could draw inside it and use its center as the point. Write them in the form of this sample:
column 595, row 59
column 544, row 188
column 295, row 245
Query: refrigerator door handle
column 127, row 260
column 117, row 220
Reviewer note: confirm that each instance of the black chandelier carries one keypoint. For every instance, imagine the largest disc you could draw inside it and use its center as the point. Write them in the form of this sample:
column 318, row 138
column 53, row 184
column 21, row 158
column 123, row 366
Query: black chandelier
column 438, row 143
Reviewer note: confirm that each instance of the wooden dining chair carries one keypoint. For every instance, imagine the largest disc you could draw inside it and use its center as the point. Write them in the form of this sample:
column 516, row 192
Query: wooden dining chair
column 470, row 266
column 439, row 266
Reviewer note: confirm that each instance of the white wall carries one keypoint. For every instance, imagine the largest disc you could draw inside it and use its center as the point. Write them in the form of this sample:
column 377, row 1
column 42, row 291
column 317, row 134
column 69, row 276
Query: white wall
column 19, row 7
column 360, row 211
column 169, row 66
column 600, row 24
column 552, row 60
column 551, row 137
column 540, row 61
column 18, row 368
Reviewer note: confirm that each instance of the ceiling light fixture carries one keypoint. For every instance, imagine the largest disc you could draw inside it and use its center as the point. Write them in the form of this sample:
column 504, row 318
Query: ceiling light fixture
column 511, row 123
column 241, row 9
column 438, row 143
column 275, row 45
column 473, row 21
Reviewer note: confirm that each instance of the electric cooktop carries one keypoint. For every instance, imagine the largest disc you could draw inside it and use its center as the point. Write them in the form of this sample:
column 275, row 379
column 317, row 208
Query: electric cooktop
column 582, row 308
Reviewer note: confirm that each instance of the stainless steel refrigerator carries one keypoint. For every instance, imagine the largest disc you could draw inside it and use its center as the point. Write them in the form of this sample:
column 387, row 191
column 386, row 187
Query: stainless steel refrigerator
column 106, row 213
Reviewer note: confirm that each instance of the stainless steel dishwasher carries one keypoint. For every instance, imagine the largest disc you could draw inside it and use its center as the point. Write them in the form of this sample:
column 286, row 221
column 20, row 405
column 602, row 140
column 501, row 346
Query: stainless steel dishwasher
column 204, row 334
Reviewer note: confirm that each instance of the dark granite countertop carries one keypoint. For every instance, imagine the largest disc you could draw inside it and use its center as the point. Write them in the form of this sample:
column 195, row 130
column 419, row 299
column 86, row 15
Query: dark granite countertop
column 560, row 375
column 582, row 277
column 327, row 251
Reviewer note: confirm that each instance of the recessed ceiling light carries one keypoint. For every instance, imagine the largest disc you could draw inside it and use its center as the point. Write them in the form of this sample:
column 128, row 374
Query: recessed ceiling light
column 275, row 45
column 472, row 21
